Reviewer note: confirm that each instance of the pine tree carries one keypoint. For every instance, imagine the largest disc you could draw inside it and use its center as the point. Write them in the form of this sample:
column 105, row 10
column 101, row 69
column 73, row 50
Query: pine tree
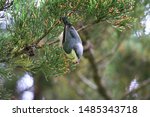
column 30, row 40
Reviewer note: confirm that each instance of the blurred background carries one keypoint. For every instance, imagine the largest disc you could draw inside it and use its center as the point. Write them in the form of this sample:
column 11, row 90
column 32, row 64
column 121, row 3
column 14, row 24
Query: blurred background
column 115, row 63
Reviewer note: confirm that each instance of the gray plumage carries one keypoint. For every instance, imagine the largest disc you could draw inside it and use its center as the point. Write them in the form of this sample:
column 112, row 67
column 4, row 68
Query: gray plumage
column 71, row 39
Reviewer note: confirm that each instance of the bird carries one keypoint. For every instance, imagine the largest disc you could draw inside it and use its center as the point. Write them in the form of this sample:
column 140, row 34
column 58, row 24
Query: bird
column 71, row 42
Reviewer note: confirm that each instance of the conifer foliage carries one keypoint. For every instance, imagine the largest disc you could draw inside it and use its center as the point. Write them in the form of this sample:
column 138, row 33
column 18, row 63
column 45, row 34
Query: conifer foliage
column 29, row 31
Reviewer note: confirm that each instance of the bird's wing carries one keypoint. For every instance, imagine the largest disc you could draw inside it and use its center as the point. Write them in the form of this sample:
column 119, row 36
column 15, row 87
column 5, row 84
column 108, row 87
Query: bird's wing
column 67, row 40
column 74, row 34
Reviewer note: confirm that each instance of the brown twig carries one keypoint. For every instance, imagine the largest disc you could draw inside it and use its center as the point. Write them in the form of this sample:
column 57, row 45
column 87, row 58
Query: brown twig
column 109, row 54
column 52, row 42
column 35, row 44
column 47, row 32
column 88, row 25
column 87, row 82
column 102, row 91
column 89, row 55
column 80, row 29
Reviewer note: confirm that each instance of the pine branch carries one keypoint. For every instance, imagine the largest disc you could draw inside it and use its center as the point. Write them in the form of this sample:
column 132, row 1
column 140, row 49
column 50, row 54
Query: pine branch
column 46, row 33
column 80, row 29
column 102, row 91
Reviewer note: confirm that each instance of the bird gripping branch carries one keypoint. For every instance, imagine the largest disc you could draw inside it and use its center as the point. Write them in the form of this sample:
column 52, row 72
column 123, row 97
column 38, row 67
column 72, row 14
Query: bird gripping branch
column 71, row 42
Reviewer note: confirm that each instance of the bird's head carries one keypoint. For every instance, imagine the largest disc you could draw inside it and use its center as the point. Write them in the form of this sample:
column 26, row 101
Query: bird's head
column 65, row 21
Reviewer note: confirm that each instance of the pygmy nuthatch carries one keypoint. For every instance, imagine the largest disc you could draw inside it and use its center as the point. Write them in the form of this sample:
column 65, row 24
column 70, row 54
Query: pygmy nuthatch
column 71, row 42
